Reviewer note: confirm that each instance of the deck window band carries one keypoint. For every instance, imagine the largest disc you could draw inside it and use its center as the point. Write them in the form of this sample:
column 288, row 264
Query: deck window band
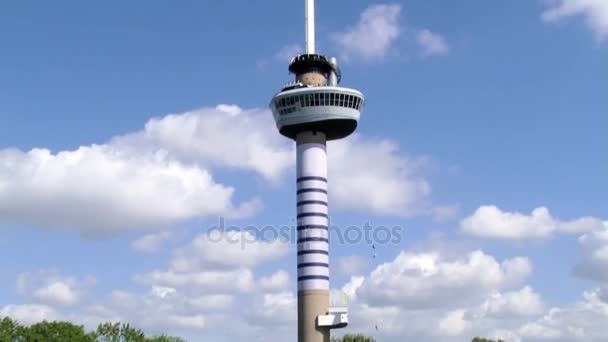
column 302, row 215
column 313, row 277
column 301, row 191
column 311, row 178
column 312, row 226
column 313, row 264
column 300, row 203
column 313, row 239
column 313, row 251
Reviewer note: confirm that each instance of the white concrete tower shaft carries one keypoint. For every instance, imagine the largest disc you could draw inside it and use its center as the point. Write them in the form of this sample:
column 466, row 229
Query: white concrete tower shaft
column 313, row 110
column 313, row 236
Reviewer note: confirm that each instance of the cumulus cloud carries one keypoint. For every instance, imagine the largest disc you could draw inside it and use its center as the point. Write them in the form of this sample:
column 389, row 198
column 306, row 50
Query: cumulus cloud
column 524, row 302
column 226, row 136
column 204, row 281
column 453, row 323
column 215, row 263
column 163, row 174
column 371, row 175
column 218, row 250
column 29, row 313
column 202, row 285
column 584, row 320
column 272, row 309
column 594, row 249
column 492, row 222
column 100, row 189
column 150, row 243
column 594, row 11
column 151, row 178
column 432, row 44
column 427, row 280
column 374, row 35
column 50, row 287
column 448, row 298
column 490, row 307
column 150, row 312
column 276, row 281
column 443, row 296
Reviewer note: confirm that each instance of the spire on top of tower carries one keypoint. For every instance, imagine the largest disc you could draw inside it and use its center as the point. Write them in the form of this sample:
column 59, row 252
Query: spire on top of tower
column 310, row 26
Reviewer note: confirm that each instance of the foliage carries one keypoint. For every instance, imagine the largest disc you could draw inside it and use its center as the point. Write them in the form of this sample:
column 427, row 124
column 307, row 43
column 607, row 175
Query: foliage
column 50, row 332
column 480, row 339
column 11, row 331
column 353, row 338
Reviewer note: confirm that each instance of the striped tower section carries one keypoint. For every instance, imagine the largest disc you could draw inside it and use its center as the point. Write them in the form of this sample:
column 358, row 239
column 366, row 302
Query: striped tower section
column 313, row 235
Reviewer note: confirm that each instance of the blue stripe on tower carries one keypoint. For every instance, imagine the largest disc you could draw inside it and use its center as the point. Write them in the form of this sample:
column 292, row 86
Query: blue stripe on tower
column 313, row 218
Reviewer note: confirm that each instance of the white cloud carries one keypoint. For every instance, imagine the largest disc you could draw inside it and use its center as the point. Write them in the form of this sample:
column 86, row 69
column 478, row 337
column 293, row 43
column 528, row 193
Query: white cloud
column 219, row 263
column 273, row 309
column 100, row 189
column 351, row 265
column 149, row 312
column 374, row 35
column 218, row 250
column 50, row 287
column 162, row 175
column 538, row 331
column 454, row 323
column 204, row 282
column 162, row 291
column 371, row 175
column 584, row 320
column 448, row 298
column 428, row 280
column 524, row 302
column 594, row 11
column 432, row 44
column 152, row 242
column 212, row 302
column 188, row 321
column 444, row 297
column 491, row 222
column 224, row 312
column 57, row 292
column 276, row 281
column 350, row 288
column 226, row 136
column 155, row 177
column 594, row 263
column 29, row 313
column 215, row 282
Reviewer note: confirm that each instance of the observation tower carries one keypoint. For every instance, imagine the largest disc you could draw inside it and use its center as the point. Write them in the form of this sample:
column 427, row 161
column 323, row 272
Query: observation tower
column 313, row 110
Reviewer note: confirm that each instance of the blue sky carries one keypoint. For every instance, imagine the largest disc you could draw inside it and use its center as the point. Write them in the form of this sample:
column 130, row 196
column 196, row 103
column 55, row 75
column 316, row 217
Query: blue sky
column 127, row 130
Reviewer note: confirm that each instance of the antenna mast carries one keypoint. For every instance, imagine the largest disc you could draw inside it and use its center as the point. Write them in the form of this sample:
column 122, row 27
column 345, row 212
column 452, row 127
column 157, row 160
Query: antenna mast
column 310, row 26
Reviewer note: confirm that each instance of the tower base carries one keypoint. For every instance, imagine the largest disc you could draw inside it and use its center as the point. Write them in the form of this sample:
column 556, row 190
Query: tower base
column 312, row 304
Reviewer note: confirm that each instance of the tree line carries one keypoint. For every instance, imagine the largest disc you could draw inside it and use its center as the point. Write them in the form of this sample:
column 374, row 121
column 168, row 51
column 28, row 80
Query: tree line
column 11, row 331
